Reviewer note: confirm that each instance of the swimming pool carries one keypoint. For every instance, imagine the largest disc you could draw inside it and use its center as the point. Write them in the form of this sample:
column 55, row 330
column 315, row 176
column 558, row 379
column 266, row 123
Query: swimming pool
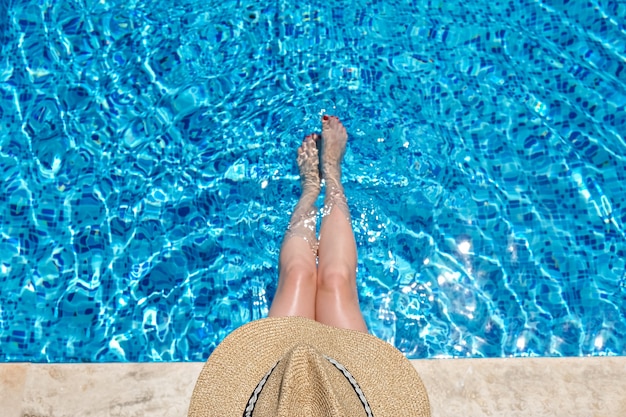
column 147, row 153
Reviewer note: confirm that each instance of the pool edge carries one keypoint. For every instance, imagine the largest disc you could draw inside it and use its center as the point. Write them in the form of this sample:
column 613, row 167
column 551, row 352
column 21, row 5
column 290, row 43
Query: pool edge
column 505, row 387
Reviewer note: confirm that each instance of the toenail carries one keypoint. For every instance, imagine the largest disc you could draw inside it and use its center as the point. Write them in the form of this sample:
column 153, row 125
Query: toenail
column 325, row 117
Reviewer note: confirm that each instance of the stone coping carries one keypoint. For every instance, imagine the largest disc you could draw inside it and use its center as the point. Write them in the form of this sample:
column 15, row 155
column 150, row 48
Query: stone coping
column 585, row 387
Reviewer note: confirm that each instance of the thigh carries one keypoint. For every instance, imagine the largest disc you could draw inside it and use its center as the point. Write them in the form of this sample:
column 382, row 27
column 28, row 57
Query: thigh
column 297, row 281
column 337, row 304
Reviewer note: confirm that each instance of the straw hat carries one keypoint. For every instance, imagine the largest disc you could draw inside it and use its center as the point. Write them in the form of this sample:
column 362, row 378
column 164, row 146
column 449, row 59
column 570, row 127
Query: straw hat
column 293, row 366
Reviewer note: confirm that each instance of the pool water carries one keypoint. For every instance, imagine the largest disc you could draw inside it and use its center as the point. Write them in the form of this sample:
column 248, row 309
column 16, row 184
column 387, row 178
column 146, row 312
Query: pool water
column 147, row 152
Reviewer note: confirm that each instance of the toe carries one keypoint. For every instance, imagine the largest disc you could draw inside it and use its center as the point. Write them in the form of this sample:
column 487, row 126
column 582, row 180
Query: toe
column 311, row 148
column 317, row 139
column 330, row 121
column 308, row 147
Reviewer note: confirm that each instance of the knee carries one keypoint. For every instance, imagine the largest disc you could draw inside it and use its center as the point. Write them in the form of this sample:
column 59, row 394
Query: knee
column 336, row 279
column 299, row 276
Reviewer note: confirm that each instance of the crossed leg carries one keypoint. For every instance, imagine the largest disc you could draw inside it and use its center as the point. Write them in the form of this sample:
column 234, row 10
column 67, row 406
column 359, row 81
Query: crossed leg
column 337, row 301
column 297, row 280
column 325, row 292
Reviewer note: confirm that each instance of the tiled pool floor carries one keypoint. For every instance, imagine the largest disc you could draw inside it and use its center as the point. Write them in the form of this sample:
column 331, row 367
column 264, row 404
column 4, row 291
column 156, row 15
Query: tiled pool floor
column 573, row 387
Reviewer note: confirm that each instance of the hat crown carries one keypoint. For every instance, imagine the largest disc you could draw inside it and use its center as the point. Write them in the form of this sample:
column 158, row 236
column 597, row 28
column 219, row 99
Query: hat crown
column 306, row 383
column 377, row 379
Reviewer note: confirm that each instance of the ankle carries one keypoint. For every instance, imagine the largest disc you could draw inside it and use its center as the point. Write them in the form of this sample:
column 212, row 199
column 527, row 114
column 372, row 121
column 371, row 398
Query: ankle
column 306, row 204
column 310, row 191
column 333, row 183
column 331, row 172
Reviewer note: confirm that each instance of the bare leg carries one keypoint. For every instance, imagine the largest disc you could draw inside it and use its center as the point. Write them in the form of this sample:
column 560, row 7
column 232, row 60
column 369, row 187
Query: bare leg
column 337, row 302
column 297, row 282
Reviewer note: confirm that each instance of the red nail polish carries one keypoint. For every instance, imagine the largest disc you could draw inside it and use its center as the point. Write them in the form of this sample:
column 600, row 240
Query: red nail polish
column 325, row 117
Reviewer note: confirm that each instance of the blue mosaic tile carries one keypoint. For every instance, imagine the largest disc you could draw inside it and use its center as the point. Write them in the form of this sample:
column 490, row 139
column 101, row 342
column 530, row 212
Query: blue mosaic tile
column 147, row 157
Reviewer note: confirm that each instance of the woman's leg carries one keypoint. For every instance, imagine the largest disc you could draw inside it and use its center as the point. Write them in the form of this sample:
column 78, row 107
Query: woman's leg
column 337, row 302
column 297, row 282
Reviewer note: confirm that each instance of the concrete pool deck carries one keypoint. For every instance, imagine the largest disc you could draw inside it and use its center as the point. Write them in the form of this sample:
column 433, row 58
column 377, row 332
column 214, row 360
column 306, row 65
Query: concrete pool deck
column 585, row 387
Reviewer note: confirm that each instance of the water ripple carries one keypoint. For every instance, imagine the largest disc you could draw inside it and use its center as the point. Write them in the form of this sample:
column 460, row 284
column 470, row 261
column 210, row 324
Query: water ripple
column 147, row 152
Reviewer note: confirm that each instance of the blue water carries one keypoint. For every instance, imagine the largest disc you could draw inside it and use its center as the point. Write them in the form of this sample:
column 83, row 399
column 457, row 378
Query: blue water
column 147, row 152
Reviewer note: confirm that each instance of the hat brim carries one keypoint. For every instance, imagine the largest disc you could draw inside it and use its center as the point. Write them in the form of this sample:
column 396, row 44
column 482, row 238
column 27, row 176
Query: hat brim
column 388, row 380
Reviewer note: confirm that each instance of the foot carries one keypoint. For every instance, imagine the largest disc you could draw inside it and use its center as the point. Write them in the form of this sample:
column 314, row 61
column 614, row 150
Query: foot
column 334, row 138
column 308, row 162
